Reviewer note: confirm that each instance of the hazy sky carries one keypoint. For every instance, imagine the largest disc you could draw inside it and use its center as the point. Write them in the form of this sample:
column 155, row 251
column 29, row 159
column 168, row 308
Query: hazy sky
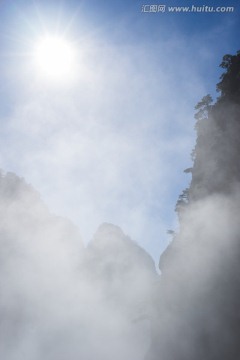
column 111, row 143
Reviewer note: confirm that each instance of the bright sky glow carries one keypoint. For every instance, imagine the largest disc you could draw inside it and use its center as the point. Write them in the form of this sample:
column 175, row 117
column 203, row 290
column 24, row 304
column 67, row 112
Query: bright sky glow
column 97, row 114
column 56, row 58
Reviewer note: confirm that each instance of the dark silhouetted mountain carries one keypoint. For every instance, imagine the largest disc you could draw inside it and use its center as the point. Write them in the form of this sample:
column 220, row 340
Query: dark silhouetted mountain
column 197, row 304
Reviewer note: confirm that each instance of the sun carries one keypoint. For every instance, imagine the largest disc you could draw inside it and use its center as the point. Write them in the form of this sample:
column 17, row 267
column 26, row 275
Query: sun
column 55, row 58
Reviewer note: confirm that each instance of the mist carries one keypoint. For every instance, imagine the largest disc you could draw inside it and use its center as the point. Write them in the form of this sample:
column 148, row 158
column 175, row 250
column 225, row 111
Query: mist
column 114, row 139
column 197, row 297
column 60, row 300
column 106, row 150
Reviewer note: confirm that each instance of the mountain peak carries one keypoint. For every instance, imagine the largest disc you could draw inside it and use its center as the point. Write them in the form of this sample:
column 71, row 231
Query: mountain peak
column 108, row 230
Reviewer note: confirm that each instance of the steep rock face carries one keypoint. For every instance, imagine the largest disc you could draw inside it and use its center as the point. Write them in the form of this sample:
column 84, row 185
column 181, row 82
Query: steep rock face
column 197, row 311
column 216, row 169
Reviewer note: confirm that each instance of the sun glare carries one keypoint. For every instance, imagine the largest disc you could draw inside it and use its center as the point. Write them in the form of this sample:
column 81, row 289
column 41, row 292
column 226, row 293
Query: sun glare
column 55, row 58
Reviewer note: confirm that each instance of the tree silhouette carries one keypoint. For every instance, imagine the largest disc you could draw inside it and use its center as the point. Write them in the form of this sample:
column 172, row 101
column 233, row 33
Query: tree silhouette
column 229, row 86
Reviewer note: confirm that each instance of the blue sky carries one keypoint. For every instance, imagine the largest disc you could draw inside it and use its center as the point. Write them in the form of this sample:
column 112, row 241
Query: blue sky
column 112, row 145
